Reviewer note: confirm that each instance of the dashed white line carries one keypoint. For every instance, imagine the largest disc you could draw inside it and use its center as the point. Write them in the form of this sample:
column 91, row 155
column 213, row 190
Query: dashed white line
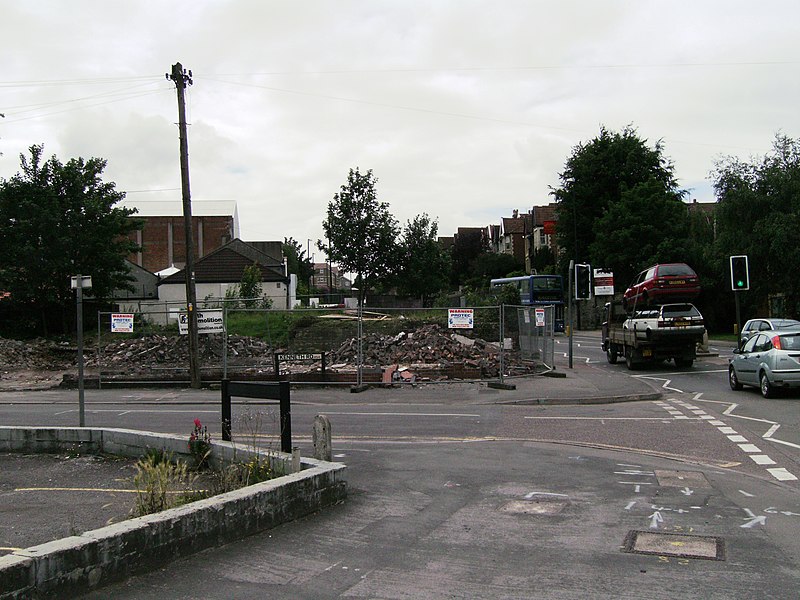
column 782, row 474
column 762, row 459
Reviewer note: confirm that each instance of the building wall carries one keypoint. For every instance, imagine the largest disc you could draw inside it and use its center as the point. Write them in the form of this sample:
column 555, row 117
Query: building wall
column 173, row 292
column 163, row 240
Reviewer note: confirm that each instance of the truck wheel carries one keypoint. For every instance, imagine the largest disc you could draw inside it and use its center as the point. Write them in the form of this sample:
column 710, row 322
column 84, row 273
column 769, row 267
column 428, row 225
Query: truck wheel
column 611, row 354
column 683, row 363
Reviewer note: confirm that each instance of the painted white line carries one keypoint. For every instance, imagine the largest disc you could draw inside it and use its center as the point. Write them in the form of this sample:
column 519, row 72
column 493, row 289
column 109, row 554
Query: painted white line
column 762, row 459
column 530, row 495
column 594, row 418
column 782, row 474
column 749, row 448
column 790, row 444
column 718, row 423
column 737, row 438
column 400, row 414
column 699, row 411
column 770, row 431
column 706, row 418
column 728, row 430
column 748, row 494
column 630, row 505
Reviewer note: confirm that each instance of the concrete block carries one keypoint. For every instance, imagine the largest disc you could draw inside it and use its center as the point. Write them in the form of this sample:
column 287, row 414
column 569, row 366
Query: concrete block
column 17, row 577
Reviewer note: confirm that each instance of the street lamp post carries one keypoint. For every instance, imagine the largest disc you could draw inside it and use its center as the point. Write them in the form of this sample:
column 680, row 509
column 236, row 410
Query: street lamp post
column 79, row 282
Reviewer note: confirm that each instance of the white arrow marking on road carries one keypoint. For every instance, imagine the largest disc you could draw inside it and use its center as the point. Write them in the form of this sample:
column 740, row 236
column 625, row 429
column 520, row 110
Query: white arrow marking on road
column 687, row 492
column 754, row 520
column 655, row 519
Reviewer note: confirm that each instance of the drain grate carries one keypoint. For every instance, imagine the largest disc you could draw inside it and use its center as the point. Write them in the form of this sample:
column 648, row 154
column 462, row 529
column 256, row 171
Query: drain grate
column 535, row 507
column 681, row 479
column 672, row 544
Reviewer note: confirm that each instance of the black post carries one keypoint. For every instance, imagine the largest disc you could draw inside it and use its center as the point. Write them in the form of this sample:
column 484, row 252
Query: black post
column 324, row 376
column 226, row 411
column 277, row 366
column 286, row 417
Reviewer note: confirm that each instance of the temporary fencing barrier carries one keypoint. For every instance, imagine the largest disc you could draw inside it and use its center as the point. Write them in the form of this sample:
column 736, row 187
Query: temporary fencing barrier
column 331, row 345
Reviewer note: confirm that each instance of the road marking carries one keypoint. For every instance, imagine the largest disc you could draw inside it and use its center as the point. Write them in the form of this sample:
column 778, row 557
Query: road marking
column 400, row 414
column 749, row 448
column 727, row 430
column 754, row 520
column 748, row 494
column 665, row 385
column 718, row 423
column 762, row 459
column 592, row 418
column 737, row 439
column 782, row 474
column 655, row 519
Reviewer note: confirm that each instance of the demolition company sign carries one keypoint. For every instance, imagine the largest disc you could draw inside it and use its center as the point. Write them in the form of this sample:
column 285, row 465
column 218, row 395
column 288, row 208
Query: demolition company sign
column 460, row 318
column 208, row 321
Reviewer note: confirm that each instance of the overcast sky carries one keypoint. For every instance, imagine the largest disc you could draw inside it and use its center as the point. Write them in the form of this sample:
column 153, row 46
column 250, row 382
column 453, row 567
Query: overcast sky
column 465, row 110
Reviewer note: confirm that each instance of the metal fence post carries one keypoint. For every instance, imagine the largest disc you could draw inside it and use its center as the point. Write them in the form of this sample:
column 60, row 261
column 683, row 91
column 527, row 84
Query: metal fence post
column 502, row 340
column 226, row 410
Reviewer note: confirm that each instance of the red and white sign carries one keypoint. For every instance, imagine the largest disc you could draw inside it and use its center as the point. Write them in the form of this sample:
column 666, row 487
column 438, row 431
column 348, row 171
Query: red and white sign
column 603, row 282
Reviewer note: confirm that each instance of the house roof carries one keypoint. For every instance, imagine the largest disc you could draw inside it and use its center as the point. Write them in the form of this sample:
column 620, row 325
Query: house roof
column 544, row 213
column 227, row 264
column 511, row 225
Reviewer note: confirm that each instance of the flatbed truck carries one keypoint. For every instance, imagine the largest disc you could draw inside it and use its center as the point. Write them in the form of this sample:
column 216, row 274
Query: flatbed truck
column 649, row 336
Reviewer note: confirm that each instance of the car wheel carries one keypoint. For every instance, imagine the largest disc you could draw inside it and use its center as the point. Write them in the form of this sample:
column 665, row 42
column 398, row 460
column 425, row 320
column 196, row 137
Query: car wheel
column 733, row 380
column 766, row 387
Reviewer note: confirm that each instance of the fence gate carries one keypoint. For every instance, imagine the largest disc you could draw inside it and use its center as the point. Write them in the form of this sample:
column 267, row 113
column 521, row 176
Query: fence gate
column 537, row 333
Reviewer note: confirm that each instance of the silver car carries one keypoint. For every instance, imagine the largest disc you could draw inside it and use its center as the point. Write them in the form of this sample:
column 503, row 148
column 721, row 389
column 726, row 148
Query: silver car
column 769, row 361
column 753, row 326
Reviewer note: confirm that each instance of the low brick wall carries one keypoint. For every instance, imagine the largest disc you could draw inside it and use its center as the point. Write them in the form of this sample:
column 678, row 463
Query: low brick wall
column 76, row 564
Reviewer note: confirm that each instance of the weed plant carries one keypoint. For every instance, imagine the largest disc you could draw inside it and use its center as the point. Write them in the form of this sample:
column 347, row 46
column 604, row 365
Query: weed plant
column 161, row 484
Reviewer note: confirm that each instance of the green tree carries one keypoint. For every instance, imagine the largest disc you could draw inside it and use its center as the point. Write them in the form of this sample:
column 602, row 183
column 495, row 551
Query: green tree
column 250, row 287
column 758, row 214
column 58, row 220
column 468, row 245
column 593, row 181
column 299, row 264
column 422, row 266
column 647, row 225
column 360, row 232
column 491, row 265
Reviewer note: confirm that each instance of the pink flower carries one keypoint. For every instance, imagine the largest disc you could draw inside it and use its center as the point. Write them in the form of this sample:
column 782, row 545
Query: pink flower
column 197, row 423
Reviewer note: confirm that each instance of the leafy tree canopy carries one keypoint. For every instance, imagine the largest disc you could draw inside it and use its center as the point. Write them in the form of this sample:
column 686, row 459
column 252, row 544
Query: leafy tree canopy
column 59, row 220
column 422, row 266
column 468, row 245
column 593, row 182
column 298, row 263
column 758, row 214
column 360, row 231
column 647, row 225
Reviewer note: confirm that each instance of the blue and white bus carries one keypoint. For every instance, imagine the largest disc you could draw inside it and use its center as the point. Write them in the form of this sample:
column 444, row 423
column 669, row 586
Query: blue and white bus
column 539, row 290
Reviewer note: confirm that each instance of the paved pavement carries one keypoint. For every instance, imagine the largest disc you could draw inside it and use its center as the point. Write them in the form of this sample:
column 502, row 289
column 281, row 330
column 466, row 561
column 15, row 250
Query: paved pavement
column 505, row 519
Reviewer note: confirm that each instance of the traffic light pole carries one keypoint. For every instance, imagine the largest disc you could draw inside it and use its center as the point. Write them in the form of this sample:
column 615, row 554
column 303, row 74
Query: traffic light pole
column 738, row 319
column 570, row 277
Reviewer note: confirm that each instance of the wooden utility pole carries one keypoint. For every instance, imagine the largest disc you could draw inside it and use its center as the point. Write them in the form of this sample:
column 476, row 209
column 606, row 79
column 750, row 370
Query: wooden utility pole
column 182, row 78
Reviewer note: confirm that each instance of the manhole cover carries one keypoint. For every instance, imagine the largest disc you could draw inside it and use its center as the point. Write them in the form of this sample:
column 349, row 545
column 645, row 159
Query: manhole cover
column 534, row 507
column 681, row 479
column 679, row 545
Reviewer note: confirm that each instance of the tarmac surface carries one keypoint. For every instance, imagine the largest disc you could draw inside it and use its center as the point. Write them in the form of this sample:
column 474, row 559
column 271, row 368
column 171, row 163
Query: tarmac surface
column 490, row 519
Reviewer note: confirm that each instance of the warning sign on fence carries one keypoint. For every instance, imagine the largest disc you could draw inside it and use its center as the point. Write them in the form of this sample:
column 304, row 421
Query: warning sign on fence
column 460, row 318
column 122, row 323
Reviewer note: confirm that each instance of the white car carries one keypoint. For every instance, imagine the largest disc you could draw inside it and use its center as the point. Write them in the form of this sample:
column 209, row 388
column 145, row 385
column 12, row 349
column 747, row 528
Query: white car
column 668, row 321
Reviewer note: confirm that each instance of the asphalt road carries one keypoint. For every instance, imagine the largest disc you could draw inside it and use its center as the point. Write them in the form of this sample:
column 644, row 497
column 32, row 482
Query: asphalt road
column 460, row 496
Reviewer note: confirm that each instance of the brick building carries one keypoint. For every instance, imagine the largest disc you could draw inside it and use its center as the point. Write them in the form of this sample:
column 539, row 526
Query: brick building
column 162, row 240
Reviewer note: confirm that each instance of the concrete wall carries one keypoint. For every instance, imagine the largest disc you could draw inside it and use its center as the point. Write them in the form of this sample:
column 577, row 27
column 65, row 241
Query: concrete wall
column 77, row 564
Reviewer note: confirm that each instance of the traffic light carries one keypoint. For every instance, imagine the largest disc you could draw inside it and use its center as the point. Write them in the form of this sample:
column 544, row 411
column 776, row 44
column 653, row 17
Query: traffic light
column 583, row 282
column 740, row 273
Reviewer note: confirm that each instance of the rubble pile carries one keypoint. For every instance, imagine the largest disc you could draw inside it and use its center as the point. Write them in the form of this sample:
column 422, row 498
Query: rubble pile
column 428, row 345
column 170, row 351
column 36, row 354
